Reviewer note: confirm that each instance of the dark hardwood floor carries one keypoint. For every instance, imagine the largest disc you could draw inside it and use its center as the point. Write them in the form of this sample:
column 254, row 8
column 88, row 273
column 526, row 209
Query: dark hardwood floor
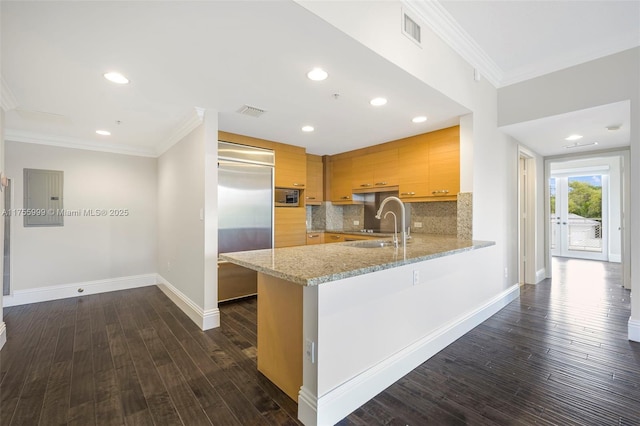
column 557, row 355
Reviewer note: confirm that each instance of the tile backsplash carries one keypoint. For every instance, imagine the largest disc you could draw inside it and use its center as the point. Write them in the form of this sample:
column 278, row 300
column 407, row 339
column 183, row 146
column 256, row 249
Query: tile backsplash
column 436, row 218
column 351, row 214
column 442, row 217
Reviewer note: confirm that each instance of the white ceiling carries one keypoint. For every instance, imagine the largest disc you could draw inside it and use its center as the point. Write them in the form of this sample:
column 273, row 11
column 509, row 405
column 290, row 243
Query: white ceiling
column 548, row 134
column 526, row 39
column 222, row 55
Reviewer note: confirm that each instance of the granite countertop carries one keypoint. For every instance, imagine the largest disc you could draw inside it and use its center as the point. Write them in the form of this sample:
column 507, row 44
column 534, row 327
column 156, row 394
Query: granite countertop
column 320, row 263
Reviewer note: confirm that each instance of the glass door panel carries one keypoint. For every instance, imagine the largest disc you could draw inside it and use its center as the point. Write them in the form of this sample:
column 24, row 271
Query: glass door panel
column 578, row 224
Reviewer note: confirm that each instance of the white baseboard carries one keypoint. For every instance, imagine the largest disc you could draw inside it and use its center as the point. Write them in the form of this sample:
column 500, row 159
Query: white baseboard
column 204, row 319
column 540, row 275
column 615, row 258
column 3, row 334
column 344, row 399
column 44, row 294
column 634, row 330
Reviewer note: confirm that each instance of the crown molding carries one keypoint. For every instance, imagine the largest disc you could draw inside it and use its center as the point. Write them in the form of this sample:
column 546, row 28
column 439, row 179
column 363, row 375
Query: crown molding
column 193, row 120
column 7, row 100
column 27, row 137
column 446, row 27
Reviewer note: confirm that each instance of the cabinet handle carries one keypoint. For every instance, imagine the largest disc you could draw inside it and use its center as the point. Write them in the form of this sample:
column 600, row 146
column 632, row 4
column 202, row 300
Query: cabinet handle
column 311, row 198
column 298, row 184
column 381, row 183
column 407, row 193
column 335, row 237
column 313, row 236
column 441, row 191
column 346, row 197
column 365, row 185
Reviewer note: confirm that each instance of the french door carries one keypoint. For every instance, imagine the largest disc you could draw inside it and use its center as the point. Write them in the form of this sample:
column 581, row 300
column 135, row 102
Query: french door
column 579, row 216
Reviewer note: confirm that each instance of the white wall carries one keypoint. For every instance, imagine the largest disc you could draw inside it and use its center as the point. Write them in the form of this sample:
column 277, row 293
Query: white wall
column 187, row 223
column 373, row 329
column 87, row 248
column 180, row 228
column 610, row 79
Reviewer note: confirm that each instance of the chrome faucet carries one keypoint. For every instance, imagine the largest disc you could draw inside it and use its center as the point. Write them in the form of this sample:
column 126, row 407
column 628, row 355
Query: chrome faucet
column 395, row 227
column 403, row 233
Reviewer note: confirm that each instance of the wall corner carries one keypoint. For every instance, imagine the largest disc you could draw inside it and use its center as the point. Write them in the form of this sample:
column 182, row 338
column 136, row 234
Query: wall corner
column 634, row 330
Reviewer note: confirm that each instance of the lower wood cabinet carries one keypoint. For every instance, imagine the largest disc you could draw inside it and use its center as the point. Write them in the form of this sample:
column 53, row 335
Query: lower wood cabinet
column 334, row 237
column 315, row 238
column 330, row 237
column 290, row 226
column 280, row 333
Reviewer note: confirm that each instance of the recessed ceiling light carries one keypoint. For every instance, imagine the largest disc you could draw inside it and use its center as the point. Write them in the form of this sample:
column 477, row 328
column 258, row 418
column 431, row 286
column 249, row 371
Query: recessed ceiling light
column 378, row 101
column 317, row 74
column 116, row 77
column 573, row 138
column 307, row 129
column 103, row 132
column 419, row 119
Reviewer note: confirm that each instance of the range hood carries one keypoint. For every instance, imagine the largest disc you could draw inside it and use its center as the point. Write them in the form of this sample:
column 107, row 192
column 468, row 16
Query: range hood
column 372, row 201
column 375, row 189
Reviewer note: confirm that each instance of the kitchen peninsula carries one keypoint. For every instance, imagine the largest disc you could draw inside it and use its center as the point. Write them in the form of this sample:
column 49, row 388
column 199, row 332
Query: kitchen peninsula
column 338, row 323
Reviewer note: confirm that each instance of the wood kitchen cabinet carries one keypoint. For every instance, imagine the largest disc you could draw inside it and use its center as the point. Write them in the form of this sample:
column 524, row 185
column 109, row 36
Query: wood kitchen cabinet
column 444, row 166
column 341, row 180
column 315, row 238
column 291, row 166
column 315, row 178
column 334, row 237
column 414, row 175
column 375, row 170
column 425, row 167
column 330, row 237
column 290, row 226
column 430, row 166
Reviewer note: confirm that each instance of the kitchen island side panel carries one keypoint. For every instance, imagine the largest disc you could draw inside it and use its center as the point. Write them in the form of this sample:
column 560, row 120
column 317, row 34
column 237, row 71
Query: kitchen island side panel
column 375, row 328
column 280, row 325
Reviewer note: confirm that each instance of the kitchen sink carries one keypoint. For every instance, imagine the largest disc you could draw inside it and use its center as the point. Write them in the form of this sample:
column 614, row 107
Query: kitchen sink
column 372, row 244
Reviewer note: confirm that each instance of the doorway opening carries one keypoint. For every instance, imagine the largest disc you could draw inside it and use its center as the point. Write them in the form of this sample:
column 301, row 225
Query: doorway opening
column 585, row 205
column 527, row 273
column 579, row 215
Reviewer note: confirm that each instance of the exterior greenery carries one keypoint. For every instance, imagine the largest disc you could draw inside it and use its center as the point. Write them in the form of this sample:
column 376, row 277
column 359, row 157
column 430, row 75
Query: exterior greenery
column 584, row 200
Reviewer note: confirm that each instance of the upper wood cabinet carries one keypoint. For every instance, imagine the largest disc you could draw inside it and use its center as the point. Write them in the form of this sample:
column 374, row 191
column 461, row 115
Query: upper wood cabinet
column 341, row 192
column 425, row 167
column 430, row 166
column 375, row 170
column 291, row 166
column 414, row 175
column 444, row 166
column 315, row 178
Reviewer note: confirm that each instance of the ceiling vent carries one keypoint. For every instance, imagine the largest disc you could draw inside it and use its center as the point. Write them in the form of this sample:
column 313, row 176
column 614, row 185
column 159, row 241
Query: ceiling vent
column 251, row 111
column 410, row 28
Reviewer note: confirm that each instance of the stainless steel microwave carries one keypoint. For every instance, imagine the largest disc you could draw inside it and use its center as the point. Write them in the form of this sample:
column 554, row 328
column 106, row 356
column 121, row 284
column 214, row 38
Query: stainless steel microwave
column 285, row 197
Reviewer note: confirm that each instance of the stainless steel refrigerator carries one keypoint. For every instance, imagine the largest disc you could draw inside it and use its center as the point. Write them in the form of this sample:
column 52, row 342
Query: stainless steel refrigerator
column 245, row 212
